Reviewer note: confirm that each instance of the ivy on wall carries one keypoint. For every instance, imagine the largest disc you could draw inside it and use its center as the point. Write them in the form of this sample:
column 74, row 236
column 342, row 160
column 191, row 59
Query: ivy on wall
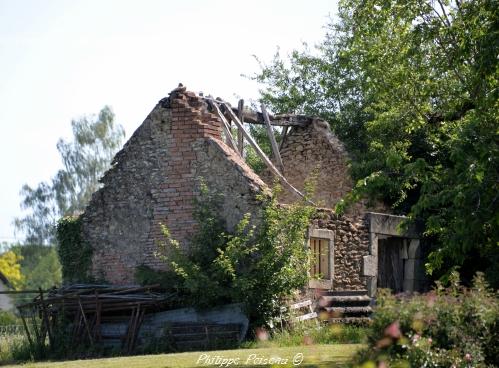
column 75, row 255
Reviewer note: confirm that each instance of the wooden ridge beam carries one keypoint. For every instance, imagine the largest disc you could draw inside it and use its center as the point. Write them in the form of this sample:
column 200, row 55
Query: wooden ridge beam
column 273, row 142
column 256, row 117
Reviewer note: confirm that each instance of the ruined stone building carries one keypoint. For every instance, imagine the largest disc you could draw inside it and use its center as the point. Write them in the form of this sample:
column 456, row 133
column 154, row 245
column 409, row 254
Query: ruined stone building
column 155, row 178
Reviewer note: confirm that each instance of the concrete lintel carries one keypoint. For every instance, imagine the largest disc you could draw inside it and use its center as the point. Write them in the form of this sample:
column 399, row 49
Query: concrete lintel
column 385, row 224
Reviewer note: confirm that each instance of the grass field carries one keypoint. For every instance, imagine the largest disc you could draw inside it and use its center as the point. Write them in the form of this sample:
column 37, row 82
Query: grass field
column 302, row 356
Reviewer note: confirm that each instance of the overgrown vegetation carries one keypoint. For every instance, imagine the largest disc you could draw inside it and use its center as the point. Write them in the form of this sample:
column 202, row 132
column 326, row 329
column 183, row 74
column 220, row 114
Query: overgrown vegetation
column 16, row 347
column 412, row 88
column 10, row 266
column 449, row 327
column 40, row 266
column 255, row 266
column 308, row 334
column 260, row 135
column 74, row 254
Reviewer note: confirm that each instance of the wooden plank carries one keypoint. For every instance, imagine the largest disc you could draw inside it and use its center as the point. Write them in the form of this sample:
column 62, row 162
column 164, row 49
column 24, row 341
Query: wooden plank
column 97, row 328
column 303, row 304
column 240, row 136
column 256, row 117
column 264, row 157
column 273, row 142
column 226, row 126
column 306, row 317
column 46, row 319
column 87, row 327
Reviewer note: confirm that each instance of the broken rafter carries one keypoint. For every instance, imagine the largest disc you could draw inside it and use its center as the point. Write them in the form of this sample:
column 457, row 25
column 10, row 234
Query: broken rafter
column 257, row 148
column 225, row 123
column 273, row 142
column 240, row 136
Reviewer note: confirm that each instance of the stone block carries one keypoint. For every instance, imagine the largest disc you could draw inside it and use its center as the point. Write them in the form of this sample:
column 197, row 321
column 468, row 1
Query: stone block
column 369, row 266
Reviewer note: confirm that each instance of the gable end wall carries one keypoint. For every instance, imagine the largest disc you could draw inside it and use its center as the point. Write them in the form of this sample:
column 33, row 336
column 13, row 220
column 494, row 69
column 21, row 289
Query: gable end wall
column 154, row 180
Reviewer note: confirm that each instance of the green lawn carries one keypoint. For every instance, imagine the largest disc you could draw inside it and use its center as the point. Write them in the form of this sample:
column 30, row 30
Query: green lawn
column 314, row 355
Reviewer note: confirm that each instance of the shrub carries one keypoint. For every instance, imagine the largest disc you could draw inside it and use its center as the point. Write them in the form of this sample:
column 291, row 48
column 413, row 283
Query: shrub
column 448, row 327
column 258, row 267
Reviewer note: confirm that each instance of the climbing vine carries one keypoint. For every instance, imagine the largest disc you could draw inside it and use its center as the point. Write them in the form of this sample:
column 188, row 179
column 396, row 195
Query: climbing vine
column 75, row 255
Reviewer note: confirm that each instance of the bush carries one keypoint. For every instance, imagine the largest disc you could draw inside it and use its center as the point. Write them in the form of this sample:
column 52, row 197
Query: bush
column 448, row 327
column 259, row 267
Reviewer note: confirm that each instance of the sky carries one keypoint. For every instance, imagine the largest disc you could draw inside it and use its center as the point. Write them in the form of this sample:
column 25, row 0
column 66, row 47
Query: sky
column 60, row 60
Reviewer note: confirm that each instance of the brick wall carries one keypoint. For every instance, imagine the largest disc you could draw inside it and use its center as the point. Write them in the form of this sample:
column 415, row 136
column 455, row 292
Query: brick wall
column 154, row 180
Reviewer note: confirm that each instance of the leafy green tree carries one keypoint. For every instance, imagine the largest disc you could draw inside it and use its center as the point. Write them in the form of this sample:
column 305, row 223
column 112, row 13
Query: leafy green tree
column 10, row 267
column 412, row 87
column 85, row 159
column 40, row 265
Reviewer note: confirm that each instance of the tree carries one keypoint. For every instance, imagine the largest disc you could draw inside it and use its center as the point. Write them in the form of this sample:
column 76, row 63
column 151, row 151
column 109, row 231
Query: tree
column 85, row 159
column 412, row 89
column 40, row 265
column 10, row 267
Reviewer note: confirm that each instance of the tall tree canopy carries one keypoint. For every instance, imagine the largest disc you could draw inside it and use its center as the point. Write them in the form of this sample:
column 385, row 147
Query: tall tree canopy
column 412, row 89
column 85, row 159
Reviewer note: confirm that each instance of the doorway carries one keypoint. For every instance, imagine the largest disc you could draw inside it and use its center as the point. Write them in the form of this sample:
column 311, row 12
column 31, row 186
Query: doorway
column 391, row 258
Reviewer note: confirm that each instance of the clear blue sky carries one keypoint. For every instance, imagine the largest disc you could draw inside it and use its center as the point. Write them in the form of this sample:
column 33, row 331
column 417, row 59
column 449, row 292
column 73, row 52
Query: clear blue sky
column 62, row 59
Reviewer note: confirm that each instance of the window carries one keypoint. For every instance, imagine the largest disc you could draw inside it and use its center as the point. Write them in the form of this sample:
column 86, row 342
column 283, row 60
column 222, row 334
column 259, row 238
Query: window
column 319, row 266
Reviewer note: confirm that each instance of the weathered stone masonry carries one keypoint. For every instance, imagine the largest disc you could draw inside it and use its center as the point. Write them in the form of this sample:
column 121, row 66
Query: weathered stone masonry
column 315, row 152
column 155, row 178
column 351, row 243
column 153, row 181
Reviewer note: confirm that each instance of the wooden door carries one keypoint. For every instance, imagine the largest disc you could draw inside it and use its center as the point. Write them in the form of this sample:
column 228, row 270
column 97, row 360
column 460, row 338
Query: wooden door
column 391, row 264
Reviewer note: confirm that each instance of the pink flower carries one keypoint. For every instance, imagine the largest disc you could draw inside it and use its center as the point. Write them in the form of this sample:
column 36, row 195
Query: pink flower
column 262, row 334
column 415, row 338
column 467, row 357
column 430, row 340
column 393, row 330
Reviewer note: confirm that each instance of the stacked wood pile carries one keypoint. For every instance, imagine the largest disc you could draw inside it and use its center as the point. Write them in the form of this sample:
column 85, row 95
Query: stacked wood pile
column 87, row 307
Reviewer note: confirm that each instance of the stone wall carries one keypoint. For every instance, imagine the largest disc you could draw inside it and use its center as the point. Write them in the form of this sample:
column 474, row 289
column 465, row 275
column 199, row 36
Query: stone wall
column 314, row 150
column 154, row 180
column 351, row 244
